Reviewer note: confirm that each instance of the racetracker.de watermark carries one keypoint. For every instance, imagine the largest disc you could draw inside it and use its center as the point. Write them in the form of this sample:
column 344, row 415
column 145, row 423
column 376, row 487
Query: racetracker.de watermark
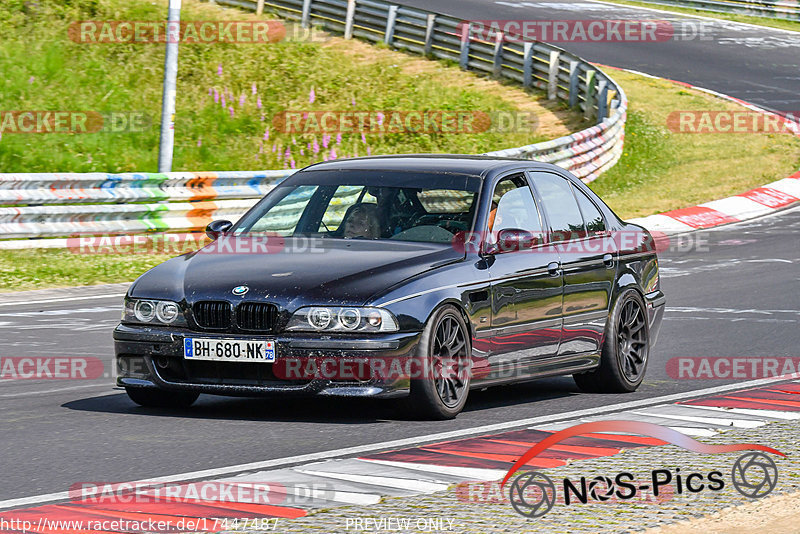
column 175, row 244
column 404, row 122
column 739, row 368
column 50, row 368
column 734, row 122
column 583, row 31
column 72, row 122
column 209, row 492
column 190, row 32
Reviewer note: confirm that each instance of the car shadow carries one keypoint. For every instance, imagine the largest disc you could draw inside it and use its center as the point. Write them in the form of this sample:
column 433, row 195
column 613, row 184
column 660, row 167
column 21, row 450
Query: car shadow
column 325, row 410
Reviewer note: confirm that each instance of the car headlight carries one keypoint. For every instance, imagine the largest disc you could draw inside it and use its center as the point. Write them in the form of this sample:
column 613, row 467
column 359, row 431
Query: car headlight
column 147, row 311
column 342, row 319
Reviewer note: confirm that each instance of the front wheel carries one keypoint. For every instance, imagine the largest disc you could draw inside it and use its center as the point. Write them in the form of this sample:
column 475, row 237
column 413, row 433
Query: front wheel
column 159, row 398
column 625, row 351
column 445, row 354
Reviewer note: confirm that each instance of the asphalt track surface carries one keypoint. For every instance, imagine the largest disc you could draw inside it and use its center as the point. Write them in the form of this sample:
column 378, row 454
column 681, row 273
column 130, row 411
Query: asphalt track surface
column 735, row 293
column 757, row 64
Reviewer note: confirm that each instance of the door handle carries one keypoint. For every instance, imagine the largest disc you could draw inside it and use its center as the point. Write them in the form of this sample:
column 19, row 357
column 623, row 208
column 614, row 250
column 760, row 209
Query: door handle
column 554, row 268
column 608, row 260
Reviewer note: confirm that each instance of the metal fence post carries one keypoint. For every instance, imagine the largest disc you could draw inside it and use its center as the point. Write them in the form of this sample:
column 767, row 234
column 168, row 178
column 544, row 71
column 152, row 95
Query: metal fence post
column 305, row 20
column 552, row 76
column 464, row 59
column 497, row 64
column 167, row 138
column 390, row 22
column 574, row 80
column 602, row 101
column 429, row 33
column 348, row 23
column 260, row 7
column 527, row 65
column 588, row 110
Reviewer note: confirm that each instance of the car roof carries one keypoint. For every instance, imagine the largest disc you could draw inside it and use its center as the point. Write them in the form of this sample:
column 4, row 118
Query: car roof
column 446, row 163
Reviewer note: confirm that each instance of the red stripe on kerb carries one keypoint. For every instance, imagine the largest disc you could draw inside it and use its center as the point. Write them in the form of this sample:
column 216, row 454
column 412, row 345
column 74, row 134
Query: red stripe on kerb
column 772, row 198
column 700, row 217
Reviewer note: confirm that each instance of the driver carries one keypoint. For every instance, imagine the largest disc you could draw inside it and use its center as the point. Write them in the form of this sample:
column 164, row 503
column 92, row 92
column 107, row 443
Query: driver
column 362, row 220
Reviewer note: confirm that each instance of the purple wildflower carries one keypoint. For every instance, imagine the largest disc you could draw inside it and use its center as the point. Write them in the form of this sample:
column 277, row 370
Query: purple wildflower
column 363, row 138
column 266, row 134
column 199, row 141
column 230, row 109
column 241, row 100
column 312, row 96
column 258, row 102
column 255, row 90
column 216, row 96
column 219, row 69
column 339, row 139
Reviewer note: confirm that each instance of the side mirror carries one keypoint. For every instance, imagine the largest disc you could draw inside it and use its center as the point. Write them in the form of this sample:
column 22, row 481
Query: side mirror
column 512, row 240
column 216, row 228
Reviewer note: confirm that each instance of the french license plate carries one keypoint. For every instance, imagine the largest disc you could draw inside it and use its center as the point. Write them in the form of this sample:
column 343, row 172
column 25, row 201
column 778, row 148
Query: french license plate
column 229, row 350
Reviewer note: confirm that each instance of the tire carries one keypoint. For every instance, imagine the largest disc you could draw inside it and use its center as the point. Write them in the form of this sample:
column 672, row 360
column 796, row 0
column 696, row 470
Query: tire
column 159, row 398
column 626, row 349
column 441, row 396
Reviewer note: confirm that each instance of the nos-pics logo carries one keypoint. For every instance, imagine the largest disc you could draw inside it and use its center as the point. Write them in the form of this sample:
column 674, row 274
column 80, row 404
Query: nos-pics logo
column 533, row 494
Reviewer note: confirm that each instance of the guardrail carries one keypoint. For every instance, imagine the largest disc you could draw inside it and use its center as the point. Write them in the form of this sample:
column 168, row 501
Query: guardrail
column 780, row 9
column 47, row 205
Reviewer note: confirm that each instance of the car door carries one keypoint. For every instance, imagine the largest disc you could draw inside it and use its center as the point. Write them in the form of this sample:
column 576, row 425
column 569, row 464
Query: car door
column 588, row 260
column 526, row 285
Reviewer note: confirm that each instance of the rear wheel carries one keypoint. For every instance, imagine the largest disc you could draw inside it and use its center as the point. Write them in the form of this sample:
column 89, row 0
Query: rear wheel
column 159, row 398
column 445, row 353
column 625, row 351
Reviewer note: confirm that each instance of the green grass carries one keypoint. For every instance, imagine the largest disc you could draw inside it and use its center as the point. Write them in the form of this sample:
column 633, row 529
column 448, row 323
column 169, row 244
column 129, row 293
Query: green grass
column 761, row 21
column 35, row 269
column 42, row 69
column 661, row 170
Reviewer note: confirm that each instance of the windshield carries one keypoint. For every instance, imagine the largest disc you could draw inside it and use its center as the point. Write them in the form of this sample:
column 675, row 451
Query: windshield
column 403, row 206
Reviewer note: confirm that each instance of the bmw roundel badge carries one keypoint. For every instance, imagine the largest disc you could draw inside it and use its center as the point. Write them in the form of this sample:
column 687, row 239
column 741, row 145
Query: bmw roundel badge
column 240, row 290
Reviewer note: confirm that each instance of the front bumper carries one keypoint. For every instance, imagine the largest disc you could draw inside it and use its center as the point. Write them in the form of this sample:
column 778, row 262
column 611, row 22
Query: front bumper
column 656, row 303
column 152, row 357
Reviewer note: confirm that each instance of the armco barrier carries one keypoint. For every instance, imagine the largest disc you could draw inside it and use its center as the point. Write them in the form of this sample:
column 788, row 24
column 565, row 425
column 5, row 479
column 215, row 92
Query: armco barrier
column 58, row 204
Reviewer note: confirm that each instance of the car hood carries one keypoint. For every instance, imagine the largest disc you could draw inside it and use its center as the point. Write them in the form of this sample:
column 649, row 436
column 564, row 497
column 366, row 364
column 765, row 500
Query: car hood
column 327, row 271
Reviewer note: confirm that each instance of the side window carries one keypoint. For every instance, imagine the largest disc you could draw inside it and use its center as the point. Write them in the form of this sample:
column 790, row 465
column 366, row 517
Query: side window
column 560, row 205
column 591, row 215
column 513, row 207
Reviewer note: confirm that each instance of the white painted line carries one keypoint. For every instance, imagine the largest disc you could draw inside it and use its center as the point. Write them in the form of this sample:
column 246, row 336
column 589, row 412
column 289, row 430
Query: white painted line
column 408, row 442
column 467, row 473
column 736, row 423
column 56, row 390
column 420, row 486
column 774, row 414
column 61, row 299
